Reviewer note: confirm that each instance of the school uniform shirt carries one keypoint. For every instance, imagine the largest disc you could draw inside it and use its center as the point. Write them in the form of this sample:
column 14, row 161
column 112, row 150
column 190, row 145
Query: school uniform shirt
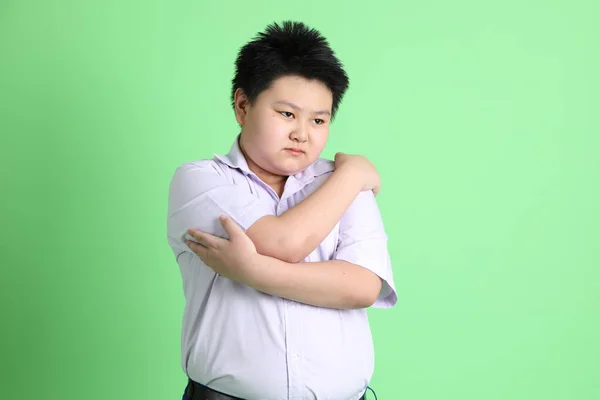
column 252, row 345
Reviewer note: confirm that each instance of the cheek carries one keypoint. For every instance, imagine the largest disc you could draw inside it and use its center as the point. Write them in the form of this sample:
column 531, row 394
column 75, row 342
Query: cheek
column 319, row 141
column 272, row 125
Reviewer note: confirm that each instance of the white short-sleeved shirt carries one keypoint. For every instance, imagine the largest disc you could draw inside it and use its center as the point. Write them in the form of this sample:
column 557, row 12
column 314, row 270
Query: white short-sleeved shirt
column 252, row 345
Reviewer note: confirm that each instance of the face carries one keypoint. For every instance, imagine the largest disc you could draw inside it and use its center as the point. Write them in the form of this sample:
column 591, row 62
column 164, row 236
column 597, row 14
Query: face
column 292, row 114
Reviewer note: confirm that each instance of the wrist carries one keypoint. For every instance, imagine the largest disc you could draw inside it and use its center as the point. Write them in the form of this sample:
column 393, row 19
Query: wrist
column 269, row 274
column 257, row 268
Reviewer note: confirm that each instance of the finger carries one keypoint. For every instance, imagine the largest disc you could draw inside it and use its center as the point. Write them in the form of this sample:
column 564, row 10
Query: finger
column 230, row 227
column 199, row 249
column 205, row 239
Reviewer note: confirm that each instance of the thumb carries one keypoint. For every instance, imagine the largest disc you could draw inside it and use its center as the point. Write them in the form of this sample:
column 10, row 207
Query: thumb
column 230, row 226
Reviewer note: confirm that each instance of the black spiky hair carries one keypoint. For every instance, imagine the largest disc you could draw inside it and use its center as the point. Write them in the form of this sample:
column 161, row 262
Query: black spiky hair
column 290, row 49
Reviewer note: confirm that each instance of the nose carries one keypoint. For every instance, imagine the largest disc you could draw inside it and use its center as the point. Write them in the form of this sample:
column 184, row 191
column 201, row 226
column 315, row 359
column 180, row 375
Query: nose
column 300, row 133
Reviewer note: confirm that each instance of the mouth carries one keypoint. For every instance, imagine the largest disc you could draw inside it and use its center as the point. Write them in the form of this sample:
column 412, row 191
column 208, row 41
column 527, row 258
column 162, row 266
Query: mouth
column 294, row 151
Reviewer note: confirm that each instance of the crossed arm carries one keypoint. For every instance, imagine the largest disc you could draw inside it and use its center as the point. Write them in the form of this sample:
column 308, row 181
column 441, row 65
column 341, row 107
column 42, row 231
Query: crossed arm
column 283, row 241
column 334, row 283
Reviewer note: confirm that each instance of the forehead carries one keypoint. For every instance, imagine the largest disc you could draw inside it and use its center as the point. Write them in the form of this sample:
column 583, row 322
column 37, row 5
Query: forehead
column 299, row 90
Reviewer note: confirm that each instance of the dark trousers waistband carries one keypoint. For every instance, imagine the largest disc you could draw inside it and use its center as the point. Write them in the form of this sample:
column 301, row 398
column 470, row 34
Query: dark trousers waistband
column 197, row 391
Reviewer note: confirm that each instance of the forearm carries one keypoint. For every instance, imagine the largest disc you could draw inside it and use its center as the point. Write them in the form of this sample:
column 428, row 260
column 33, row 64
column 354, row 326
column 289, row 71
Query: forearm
column 333, row 284
column 307, row 224
column 293, row 235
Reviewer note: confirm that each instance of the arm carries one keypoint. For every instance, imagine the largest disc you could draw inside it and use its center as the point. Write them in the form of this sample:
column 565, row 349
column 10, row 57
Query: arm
column 334, row 284
column 199, row 193
column 303, row 227
column 360, row 274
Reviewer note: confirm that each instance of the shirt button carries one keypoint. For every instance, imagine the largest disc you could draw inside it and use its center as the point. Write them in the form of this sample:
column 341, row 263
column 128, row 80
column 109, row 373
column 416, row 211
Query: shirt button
column 294, row 356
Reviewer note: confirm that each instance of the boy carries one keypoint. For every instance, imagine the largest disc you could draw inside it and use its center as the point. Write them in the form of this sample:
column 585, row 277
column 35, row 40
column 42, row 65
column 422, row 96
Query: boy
column 286, row 250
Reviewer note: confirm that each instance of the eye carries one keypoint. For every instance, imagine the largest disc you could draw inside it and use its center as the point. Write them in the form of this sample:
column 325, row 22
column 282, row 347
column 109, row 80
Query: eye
column 319, row 121
column 285, row 114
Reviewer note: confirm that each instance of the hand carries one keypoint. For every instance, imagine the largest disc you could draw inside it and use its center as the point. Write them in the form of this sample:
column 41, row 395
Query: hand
column 231, row 257
column 360, row 167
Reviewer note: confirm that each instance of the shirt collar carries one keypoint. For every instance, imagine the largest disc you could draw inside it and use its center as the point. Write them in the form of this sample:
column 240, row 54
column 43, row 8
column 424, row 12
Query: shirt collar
column 235, row 159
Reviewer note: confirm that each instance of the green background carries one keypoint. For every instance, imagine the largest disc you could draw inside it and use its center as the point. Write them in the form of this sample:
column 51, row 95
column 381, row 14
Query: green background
column 482, row 118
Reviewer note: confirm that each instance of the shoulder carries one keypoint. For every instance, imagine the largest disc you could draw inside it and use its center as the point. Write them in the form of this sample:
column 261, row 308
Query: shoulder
column 196, row 169
column 316, row 173
column 197, row 165
column 197, row 176
column 322, row 166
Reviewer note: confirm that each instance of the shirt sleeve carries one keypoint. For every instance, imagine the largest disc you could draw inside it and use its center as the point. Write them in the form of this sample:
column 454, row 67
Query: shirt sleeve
column 363, row 241
column 198, row 194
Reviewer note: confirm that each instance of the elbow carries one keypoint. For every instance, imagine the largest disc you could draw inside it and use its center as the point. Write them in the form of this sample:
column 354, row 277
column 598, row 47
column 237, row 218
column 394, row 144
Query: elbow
column 291, row 250
column 271, row 240
column 370, row 292
column 278, row 247
column 366, row 300
column 291, row 254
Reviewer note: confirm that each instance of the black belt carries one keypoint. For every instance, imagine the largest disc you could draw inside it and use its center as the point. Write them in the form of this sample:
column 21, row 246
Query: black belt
column 197, row 391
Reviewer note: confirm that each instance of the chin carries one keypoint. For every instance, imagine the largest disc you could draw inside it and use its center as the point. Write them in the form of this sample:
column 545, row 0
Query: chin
column 297, row 167
column 289, row 167
column 288, row 171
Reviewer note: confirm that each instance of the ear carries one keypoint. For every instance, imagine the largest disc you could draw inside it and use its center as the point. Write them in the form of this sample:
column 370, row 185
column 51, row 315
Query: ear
column 241, row 104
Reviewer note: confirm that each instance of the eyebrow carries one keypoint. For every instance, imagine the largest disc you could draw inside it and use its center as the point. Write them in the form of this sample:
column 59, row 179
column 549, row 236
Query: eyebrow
column 294, row 106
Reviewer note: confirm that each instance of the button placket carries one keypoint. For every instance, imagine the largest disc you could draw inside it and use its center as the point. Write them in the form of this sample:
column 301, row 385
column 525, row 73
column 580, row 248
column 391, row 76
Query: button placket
column 295, row 349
